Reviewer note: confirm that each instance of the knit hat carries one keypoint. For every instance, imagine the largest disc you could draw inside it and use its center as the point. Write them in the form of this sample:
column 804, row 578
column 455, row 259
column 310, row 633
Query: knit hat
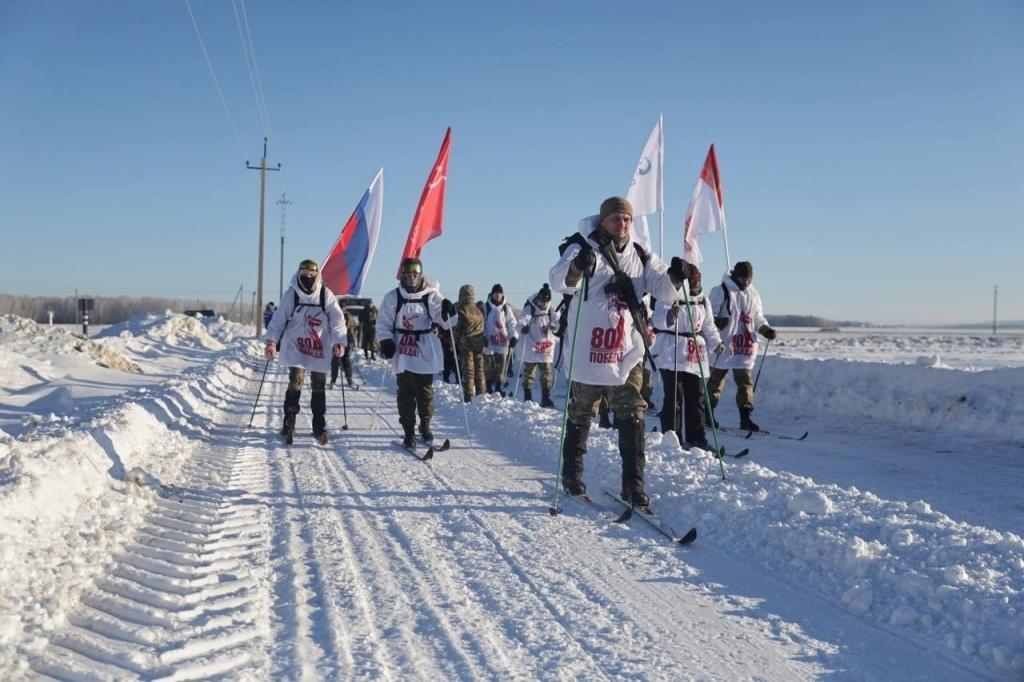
column 743, row 268
column 309, row 264
column 614, row 205
column 545, row 292
column 496, row 289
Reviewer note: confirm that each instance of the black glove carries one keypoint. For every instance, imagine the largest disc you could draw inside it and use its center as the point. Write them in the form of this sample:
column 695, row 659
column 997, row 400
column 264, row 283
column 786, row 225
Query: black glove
column 585, row 260
column 387, row 348
column 447, row 309
column 679, row 271
column 512, row 342
column 617, row 284
column 526, row 329
column 767, row 332
column 721, row 323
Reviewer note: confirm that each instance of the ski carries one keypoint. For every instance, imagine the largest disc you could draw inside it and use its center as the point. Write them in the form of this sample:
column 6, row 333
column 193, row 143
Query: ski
column 648, row 515
column 427, row 456
column 584, row 499
column 776, row 435
column 447, row 444
column 721, row 453
column 749, row 434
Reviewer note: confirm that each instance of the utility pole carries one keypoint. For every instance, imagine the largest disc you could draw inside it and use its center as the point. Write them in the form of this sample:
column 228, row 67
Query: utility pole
column 283, row 201
column 995, row 308
column 262, row 168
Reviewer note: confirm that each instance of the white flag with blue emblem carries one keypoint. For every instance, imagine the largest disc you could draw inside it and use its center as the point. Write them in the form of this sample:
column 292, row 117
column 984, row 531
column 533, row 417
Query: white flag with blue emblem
column 645, row 191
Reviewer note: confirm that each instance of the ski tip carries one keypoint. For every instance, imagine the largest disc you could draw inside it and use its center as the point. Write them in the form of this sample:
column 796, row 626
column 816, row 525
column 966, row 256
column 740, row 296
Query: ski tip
column 750, row 434
column 742, row 453
column 446, row 444
column 429, row 455
column 806, row 433
column 690, row 536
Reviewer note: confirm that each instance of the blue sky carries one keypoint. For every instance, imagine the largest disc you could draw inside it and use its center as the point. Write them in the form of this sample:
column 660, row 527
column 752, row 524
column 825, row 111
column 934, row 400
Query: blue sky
column 872, row 153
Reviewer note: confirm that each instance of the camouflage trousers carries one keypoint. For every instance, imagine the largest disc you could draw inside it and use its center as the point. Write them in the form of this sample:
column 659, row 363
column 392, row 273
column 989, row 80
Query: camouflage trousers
column 415, row 394
column 625, row 400
column 471, row 365
column 495, row 369
column 744, row 386
column 317, row 399
column 543, row 368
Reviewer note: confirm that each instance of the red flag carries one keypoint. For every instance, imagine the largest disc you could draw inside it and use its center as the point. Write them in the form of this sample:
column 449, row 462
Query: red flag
column 426, row 224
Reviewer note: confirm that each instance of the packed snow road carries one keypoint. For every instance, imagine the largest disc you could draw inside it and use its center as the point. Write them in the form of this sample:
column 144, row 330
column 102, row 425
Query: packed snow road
column 355, row 560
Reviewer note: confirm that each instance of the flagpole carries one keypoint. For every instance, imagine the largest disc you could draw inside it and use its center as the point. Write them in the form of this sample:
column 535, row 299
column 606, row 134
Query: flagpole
column 725, row 237
column 661, row 183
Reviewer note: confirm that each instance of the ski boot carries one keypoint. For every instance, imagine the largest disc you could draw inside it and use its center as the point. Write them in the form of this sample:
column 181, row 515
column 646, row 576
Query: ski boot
column 634, row 459
column 409, row 440
column 545, row 398
column 426, row 433
column 746, row 423
column 527, row 395
column 572, row 458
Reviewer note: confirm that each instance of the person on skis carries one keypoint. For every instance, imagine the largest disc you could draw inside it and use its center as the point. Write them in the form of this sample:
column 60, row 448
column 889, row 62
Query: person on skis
column 682, row 359
column 539, row 323
column 739, row 316
column 368, row 331
column 470, row 342
column 405, row 327
column 502, row 336
column 607, row 273
column 308, row 321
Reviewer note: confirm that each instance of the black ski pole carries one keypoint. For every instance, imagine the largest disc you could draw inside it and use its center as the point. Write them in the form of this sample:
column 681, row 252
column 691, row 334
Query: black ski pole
column 260, row 390
column 764, row 355
column 344, row 406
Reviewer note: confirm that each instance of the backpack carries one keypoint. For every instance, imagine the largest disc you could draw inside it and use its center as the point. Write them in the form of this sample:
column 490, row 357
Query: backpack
column 398, row 306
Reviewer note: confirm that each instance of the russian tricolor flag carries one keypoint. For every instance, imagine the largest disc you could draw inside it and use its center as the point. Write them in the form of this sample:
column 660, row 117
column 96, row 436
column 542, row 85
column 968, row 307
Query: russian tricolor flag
column 345, row 268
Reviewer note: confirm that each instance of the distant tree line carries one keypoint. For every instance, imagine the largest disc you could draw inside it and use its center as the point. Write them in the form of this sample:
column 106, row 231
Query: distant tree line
column 811, row 321
column 112, row 309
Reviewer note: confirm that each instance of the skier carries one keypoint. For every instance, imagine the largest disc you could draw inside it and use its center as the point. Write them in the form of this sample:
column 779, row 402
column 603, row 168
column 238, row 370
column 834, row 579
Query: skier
column 268, row 312
column 502, row 336
column 407, row 316
column 610, row 353
column 740, row 317
column 344, row 363
column 539, row 323
column 368, row 331
column 470, row 342
column 683, row 359
column 308, row 317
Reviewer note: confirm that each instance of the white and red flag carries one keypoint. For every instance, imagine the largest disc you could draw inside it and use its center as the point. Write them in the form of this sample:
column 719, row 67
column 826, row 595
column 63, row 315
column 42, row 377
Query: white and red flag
column 429, row 218
column 706, row 212
column 645, row 191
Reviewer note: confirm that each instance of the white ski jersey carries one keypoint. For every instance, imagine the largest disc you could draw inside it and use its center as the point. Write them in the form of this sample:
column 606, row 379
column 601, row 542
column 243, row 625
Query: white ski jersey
column 609, row 345
column 307, row 332
column 539, row 342
column 746, row 316
column 417, row 348
column 499, row 327
column 675, row 347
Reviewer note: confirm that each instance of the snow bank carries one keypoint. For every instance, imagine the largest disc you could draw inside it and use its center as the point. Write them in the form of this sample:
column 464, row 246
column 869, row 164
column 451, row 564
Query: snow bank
column 72, row 493
column 170, row 329
column 957, row 588
column 917, row 396
column 39, row 342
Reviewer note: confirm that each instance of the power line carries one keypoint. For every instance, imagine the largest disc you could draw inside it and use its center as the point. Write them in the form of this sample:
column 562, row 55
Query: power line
column 216, row 84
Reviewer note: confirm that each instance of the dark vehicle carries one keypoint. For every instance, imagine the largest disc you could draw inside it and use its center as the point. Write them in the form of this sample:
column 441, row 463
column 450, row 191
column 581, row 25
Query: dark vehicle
column 205, row 312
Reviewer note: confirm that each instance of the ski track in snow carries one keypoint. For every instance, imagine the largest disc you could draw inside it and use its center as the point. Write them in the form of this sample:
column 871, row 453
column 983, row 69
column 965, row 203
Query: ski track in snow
column 356, row 561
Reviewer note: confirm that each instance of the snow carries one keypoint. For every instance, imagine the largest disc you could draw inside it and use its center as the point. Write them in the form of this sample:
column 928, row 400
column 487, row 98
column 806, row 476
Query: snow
column 146, row 531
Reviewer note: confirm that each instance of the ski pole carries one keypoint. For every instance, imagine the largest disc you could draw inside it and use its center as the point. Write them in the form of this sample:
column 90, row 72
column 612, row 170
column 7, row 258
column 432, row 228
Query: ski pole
column 519, row 373
column 675, row 374
column 764, row 355
column 380, row 392
column 260, row 390
column 555, row 509
column 344, row 406
column 703, row 382
column 458, row 373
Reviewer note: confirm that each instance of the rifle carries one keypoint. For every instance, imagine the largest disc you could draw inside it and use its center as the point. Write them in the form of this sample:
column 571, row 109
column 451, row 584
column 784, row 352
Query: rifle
column 629, row 294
